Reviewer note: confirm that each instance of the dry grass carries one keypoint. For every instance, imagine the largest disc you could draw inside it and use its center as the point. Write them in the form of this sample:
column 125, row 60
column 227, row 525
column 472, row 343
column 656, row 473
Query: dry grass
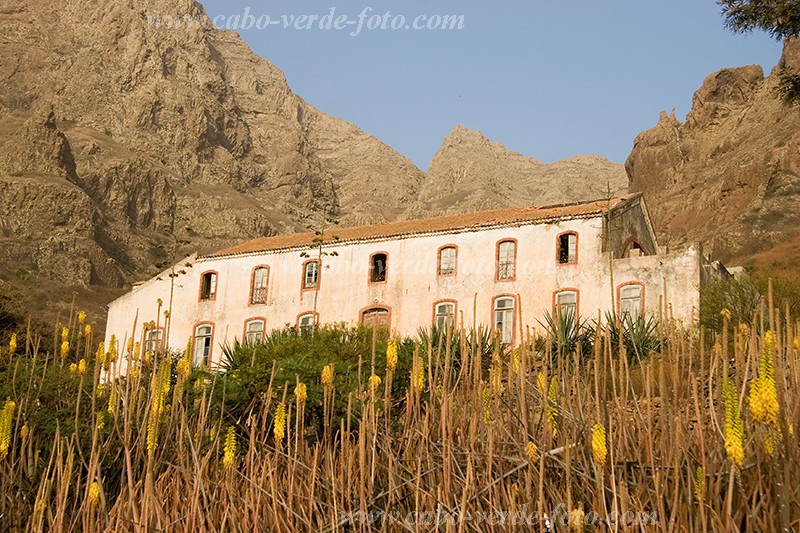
column 524, row 437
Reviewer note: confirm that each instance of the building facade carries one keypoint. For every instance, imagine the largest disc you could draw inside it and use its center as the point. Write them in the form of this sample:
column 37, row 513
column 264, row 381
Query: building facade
column 492, row 268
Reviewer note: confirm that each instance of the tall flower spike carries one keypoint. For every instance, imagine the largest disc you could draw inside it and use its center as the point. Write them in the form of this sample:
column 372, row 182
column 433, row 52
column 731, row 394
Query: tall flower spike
column 763, row 391
column 279, row 429
column 6, row 424
column 12, row 344
column 391, row 355
column 327, row 376
column 734, row 433
column 599, row 447
column 301, row 393
column 64, row 349
column 81, row 317
column 531, row 451
column 94, row 493
column 230, row 448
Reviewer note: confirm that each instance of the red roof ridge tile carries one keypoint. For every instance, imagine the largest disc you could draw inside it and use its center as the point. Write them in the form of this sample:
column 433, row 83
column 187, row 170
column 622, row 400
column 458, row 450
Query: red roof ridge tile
column 448, row 222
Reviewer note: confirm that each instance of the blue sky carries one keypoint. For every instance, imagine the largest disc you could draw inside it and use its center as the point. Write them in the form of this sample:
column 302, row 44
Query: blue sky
column 548, row 79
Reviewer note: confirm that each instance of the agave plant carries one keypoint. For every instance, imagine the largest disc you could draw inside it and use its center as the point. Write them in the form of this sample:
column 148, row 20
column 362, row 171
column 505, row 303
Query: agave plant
column 639, row 335
column 567, row 333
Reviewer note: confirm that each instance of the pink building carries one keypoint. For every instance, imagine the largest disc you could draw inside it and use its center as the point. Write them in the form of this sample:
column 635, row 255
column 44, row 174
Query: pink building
column 486, row 268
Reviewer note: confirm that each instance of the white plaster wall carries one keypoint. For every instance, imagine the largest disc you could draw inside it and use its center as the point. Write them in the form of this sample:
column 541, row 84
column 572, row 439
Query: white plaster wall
column 412, row 284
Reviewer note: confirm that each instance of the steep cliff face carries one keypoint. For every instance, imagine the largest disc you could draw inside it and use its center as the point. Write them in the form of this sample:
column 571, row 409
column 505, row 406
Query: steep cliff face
column 729, row 174
column 120, row 138
column 469, row 172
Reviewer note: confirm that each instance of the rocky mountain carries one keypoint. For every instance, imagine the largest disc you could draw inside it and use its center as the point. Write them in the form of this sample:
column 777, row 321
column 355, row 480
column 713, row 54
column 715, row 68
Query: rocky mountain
column 469, row 172
column 729, row 175
column 120, row 141
column 124, row 144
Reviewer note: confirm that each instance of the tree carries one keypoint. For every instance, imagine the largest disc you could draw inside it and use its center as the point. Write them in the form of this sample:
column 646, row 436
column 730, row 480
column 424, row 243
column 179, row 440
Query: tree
column 780, row 19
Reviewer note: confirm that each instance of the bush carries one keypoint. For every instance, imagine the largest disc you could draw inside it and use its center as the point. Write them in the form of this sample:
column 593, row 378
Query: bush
column 247, row 369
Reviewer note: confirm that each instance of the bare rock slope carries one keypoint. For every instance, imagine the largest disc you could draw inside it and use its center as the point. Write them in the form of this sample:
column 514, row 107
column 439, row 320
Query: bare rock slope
column 729, row 175
column 120, row 139
column 470, row 172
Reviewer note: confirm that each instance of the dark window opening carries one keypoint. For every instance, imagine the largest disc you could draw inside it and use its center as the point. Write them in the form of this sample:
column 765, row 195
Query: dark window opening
column 208, row 286
column 568, row 248
column 377, row 268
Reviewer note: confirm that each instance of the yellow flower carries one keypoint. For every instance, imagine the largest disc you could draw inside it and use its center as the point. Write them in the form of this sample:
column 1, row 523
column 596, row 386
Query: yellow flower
column 65, row 334
column 64, row 349
column 744, row 330
column 301, row 393
column 73, row 368
column 82, row 367
column 496, row 375
column 137, row 350
column 374, row 382
column 6, row 424
column 279, row 430
column 734, row 433
column 81, row 317
column 129, row 346
column 541, row 384
column 726, row 314
column 599, row 448
column 101, row 352
column 230, row 448
column 183, row 368
column 763, row 392
column 531, row 451
column 87, row 330
column 576, row 520
column 699, row 483
column 94, row 493
column 515, row 360
column 391, row 355
column 796, row 343
column 113, row 400
column 24, row 431
column 327, row 376
column 12, row 344
column 417, row 374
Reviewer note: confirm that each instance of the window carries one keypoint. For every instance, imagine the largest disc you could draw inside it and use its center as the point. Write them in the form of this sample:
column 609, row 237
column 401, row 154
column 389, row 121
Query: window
column 630, row 300
column 375, row 316
column 568, row 248
column 258, row 292
column 447, row 261
column 153, row 340
column 311, row 274
column 506, row 260
column 254, row 331
column 566, row 303
column 504, row 318
column 444, row 314
column 208, row 286
column 306, row 323
column 202, row 344
column 377, row 268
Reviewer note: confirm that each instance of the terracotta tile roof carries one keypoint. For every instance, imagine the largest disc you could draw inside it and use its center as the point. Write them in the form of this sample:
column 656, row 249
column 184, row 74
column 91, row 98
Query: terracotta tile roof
column 402, row 228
